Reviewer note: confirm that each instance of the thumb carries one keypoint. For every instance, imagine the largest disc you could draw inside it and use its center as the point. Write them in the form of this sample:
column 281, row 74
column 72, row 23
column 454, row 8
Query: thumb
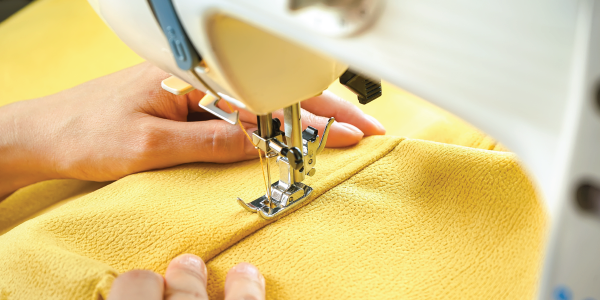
column 206, row 141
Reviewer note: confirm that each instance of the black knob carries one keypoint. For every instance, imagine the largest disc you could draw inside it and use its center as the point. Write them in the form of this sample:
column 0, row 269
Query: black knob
column 310, row 134
column 276, row 126
column 294, row 156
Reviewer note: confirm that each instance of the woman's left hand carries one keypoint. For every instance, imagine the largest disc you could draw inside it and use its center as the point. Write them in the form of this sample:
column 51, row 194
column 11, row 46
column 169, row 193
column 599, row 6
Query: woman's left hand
column 126, row 123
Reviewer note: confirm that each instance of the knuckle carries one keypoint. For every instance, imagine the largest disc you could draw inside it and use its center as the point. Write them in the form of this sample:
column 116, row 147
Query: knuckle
column 147, row 140
column 194, row 274
column 185, row 294
column 227, row 143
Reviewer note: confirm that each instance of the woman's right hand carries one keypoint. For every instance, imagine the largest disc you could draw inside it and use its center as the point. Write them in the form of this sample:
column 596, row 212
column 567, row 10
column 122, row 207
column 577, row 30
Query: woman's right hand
column 186, row 278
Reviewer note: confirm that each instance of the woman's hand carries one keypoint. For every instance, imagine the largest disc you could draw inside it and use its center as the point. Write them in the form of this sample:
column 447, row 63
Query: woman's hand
column 125, row 123
column 186, row 278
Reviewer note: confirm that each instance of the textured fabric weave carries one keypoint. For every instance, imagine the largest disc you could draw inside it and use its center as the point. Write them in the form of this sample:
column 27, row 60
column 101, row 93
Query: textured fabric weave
column 389, row 218
column 52, row 45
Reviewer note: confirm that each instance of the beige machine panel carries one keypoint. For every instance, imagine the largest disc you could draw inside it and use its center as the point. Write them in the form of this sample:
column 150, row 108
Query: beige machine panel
column 265, row 71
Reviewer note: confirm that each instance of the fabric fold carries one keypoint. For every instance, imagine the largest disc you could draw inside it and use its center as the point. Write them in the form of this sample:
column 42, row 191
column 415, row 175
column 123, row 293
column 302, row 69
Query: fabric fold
column 144, row 220
column 427, row 221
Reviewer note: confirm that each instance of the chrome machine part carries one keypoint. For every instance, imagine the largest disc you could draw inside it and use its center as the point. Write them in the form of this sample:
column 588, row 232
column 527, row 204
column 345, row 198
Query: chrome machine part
column 293, row 134
column 265, row 124
column 296, row 158
column 265, row 130
column 209, row 103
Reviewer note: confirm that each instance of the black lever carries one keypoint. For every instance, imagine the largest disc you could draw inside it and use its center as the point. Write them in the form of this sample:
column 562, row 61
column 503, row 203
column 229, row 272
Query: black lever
column 365, row 88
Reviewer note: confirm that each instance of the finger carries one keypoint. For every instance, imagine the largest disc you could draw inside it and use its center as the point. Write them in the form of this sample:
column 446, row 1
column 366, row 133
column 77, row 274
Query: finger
column 137, row 285
column 186, row 278
column 166, row 143
column 200, row 116
column 245, row 116
column 193, row 98
column 330, row 105
column 244, row 281
column 340, row 134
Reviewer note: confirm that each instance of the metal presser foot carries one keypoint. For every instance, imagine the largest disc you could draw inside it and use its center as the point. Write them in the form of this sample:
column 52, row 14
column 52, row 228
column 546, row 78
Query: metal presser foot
column 269, row 210
column 296, row 158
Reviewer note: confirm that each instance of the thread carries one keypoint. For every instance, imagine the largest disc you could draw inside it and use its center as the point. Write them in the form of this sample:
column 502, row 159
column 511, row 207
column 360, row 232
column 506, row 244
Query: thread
column 262, row 167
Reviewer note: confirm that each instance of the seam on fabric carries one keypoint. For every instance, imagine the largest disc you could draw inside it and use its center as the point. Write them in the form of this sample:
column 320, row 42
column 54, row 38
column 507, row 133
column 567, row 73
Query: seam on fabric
column 318, row 194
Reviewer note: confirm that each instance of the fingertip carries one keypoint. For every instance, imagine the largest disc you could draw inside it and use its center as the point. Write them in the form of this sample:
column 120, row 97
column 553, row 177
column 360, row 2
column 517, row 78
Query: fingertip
column 137, row 284
column 350, row 129
column 160, row 278
column 329, row 104
column 186, row 278
column 190, row 263
column 140, row 276
column 188, row 259
column 343, row 135
column 376, row 128
column 244, row 281
column 247, row 269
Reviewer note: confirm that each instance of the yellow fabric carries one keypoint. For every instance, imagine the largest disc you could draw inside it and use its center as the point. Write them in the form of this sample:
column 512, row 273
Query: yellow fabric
column 404, row 114
column 40, row 197
column 49, row 46
column 427, row 221
column 52, row 45
column 389, row 218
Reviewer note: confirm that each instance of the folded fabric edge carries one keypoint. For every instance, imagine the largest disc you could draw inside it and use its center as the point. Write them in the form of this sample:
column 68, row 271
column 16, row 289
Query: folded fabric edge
column 325, row 184
column 36, row 199
column 348, row 170
column 103, row 287
column 387, row 145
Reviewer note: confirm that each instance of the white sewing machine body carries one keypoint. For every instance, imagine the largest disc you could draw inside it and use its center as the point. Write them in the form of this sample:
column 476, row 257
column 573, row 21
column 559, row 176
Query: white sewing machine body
column 527, row 73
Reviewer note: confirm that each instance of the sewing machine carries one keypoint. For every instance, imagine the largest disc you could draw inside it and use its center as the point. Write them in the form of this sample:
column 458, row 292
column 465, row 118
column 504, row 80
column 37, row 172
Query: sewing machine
column 524, row 72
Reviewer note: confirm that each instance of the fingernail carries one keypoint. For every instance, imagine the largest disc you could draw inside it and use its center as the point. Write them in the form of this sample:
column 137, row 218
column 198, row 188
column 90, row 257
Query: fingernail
column 249, row 269
column 346, row 128
column 375, row 123
column 194, row 262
